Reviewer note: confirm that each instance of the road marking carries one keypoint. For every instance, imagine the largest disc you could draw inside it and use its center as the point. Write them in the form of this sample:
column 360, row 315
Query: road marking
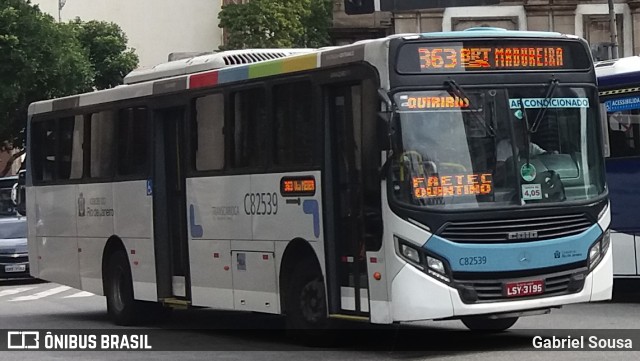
column 38, row 295
column 13, row 291
column 80, row 294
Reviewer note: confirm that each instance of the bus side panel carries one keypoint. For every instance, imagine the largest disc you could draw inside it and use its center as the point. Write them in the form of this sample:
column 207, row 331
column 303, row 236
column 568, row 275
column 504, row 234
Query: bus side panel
column 282, row 219
column 95, row 225
column 34, row 268
column 624, row 253
column 132, row 222
column 90, row 263
column 56, row 231
column 216, row 216
column 211, row 281
column 622, row 176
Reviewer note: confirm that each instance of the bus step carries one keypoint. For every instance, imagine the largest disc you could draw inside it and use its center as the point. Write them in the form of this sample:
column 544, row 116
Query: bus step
column 349, row 317
column 176, row 303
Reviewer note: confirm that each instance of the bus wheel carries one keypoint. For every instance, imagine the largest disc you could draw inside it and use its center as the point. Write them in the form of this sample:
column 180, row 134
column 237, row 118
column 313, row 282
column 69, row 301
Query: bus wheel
column 306, row 301
column 119, row 290
column 480, row 323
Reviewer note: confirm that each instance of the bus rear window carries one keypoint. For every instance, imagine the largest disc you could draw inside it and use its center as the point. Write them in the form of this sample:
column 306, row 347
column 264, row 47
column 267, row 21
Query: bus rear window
column 486, row 56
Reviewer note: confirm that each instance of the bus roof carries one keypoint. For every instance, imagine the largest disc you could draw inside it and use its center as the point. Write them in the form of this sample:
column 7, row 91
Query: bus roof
column 618, row 72
column 240, row 65
column 484, row 31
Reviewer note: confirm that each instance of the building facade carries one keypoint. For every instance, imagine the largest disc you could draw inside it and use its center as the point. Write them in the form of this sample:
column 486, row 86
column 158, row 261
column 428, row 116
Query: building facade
column 586, row 18
column 155, row 28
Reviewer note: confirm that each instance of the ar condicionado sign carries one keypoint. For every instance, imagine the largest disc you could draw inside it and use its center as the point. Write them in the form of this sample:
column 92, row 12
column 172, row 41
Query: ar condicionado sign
column 452, row 185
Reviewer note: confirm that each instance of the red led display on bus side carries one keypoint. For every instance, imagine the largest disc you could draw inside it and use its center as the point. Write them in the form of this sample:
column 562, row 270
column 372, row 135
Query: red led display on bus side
column 297, row 186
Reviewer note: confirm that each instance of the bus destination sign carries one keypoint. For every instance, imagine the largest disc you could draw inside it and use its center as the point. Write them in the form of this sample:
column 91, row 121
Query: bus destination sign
column 490, row 58
column 478, row 56
column 298, row 186
column 430, row 101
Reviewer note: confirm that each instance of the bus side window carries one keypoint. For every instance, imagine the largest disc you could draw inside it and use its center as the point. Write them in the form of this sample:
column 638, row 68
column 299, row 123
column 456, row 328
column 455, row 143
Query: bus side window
column 102, row 142
column 43, row 137
column 249, row 117
column 293, row 128
column 624, row 134
column 208, row 138
column 71, row 153
column 133, row 137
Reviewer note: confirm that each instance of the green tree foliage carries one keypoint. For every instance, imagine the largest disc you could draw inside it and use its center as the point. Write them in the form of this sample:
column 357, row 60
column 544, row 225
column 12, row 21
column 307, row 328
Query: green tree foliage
column 38, row 60
column 106, row 47
column 42, row 59
column 276, row 24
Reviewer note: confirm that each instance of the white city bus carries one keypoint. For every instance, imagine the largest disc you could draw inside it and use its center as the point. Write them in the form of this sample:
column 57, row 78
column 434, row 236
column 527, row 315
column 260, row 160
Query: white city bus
column 429, row 176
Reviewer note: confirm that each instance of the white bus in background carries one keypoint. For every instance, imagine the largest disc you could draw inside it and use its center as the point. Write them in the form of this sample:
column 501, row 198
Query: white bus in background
column 382, row 181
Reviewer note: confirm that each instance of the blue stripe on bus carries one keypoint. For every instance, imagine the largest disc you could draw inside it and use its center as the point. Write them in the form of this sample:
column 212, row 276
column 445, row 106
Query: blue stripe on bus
column 233, row 74
column 471, row 257
column 618, row 80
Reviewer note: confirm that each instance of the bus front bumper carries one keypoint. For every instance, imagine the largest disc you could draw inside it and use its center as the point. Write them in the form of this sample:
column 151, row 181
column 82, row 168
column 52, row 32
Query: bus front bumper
column 417, row 296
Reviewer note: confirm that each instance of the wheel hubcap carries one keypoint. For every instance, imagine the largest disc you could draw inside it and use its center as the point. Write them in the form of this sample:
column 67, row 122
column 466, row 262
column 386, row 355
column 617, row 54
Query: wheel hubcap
column 312, row 301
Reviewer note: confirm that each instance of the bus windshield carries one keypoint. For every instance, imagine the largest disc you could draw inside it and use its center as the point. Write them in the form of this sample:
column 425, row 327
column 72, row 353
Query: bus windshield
column 496, row 147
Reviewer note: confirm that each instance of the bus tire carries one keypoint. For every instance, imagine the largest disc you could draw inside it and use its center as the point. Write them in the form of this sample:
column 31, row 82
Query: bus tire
column 306, row 302
column 121, row 306
column 486, row 324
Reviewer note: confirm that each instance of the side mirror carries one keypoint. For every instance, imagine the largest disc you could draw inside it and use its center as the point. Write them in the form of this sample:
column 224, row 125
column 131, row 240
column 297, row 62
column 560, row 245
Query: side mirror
column 18, row 194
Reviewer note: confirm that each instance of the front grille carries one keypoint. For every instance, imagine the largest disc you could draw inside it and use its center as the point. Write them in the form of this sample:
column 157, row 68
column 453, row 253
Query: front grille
column 546, row 227
column 555, row 284
column 6, row 259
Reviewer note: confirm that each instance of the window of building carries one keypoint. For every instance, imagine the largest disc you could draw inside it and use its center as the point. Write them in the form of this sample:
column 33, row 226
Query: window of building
column 294, row 128
column 597, row 34
column 249, row 117
column 133, row 141
column 209, row 135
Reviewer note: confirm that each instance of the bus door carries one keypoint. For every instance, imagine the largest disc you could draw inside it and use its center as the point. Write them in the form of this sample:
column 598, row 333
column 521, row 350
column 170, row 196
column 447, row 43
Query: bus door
column 169, row 210
column 346, row 260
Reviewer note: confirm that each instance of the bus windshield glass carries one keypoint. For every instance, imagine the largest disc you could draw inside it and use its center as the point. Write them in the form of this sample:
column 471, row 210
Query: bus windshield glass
column 461, row 148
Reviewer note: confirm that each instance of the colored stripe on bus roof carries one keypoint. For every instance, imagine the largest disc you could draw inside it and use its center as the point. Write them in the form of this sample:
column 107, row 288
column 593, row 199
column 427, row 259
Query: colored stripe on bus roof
column 267, row 68
column 252, row 71
column 233, row 74
column 300, row 63
column 170, row 85
column 279, row 66
column 202, row 80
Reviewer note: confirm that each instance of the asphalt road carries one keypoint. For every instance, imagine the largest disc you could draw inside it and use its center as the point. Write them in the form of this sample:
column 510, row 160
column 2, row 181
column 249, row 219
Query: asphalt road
column 40, row 305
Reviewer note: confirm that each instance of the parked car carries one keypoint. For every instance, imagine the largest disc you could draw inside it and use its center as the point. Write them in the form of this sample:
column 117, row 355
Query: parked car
column 14, row 258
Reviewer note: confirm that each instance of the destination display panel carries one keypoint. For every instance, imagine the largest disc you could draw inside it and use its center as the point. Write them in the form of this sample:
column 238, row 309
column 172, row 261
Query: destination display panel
column 488, row 56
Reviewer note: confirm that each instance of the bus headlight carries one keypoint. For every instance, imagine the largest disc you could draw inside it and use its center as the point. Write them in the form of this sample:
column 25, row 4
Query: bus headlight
column 410, row 253
column 598, row 250
column 435, row 264
column 423, row 260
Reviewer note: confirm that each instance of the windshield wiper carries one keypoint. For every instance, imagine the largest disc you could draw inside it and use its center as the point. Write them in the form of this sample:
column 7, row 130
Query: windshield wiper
column 526, row 132
column 545, row 105
column 454, row 89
